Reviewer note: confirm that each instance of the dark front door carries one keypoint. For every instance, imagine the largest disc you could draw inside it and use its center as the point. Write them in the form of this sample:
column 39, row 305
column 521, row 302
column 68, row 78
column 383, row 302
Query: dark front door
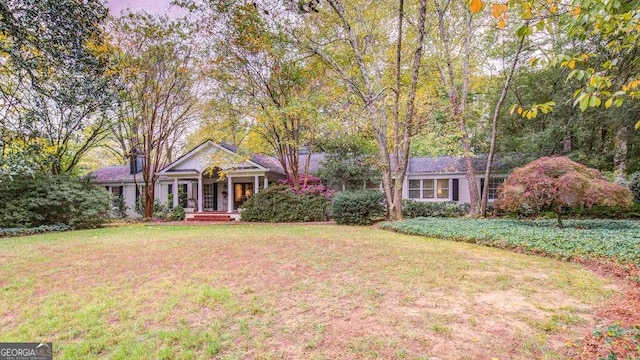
column 241, row 192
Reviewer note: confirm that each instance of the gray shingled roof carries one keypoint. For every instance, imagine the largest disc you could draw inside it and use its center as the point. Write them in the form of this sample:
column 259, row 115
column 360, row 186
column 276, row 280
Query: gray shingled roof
column 266, row 161
column 113, row 174
column 439, row 164
column 450, row 164
column 269, row 162
column 315, row 162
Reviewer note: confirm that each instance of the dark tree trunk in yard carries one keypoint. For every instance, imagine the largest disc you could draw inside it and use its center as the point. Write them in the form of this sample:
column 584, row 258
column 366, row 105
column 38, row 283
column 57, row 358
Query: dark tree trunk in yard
column 560, row 224
column 149, row 199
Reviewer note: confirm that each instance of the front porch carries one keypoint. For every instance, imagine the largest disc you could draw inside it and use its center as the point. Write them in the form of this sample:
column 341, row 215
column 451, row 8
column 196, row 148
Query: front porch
column 213, row 181
column 207, row 196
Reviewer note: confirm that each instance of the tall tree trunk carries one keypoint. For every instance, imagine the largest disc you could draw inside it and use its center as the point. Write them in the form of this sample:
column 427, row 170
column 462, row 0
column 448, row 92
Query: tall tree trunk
column 149, row 187
column 395, row 209
column 494, row 130
column 393, row 144
column 470, row 171
column 149, row 201
column 458, row 98
column 620, row 157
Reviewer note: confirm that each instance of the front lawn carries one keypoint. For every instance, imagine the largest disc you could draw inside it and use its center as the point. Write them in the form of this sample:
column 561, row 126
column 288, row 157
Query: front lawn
column 288, row 292
column 617, row 240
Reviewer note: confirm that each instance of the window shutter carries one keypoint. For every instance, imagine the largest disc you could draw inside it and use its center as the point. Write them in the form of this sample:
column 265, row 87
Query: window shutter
column 481, row 187
column 455, row 193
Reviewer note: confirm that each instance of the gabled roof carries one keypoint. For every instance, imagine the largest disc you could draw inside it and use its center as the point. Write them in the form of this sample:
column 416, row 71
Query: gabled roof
column 262, row 162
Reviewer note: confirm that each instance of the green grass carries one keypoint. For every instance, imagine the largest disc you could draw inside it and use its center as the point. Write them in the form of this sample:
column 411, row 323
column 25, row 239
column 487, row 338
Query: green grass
column 617, row 240
column 280, row 292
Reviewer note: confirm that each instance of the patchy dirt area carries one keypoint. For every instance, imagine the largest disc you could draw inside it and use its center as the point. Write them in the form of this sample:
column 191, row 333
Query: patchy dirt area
column 618, row 330
column 291, row 292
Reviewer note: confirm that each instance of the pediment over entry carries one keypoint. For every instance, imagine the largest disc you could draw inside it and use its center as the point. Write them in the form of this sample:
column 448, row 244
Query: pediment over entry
column 211, row 155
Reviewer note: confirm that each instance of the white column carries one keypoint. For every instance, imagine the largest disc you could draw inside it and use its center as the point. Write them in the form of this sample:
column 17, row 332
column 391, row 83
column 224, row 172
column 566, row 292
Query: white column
column 190, row 194
column 230, row 194
column 200, row 193
column 256, row 186
column 266, row 181
column 405, row 188
column 175, row 193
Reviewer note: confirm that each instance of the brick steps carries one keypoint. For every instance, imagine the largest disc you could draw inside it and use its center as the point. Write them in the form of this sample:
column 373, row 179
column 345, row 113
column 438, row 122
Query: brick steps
column 213, row 216
column 221, row 218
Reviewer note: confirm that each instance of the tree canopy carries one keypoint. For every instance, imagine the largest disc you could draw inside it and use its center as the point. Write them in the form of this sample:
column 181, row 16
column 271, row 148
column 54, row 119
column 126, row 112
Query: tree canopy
column 55, row 88
column 290, row 78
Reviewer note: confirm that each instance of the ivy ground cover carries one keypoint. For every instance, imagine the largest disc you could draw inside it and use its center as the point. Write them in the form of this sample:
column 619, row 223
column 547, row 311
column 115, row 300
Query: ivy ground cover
column 617, row 240
column 257, row 291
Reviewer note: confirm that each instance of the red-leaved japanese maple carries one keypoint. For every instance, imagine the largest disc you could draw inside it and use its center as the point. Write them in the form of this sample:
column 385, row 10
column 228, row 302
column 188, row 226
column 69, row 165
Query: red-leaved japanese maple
column 558, row 184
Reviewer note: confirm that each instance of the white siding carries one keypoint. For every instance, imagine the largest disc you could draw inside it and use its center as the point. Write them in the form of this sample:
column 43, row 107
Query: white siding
column 130, row 200
column 162, row 194
column 463, row 190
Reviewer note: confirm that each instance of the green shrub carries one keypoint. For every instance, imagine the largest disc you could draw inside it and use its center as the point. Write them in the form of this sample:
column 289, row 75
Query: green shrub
column 182, row 198
column 280, row 204
column 161, row 211
column 634, row 186
column 178, row 213
column 9, row 232
column 32, row 201
column 359, row 207
column 118, row 207
column 414, row 209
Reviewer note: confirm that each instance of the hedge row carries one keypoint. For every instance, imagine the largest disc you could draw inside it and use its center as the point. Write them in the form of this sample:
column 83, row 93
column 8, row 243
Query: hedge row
column 414, row 209
column 9, row 232
column 281, row 204
column 359, row 207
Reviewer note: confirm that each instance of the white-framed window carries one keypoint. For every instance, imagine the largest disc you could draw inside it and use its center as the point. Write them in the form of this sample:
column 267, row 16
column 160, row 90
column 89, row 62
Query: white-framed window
column 494, row 182
column 117, row 190
column 430, row 189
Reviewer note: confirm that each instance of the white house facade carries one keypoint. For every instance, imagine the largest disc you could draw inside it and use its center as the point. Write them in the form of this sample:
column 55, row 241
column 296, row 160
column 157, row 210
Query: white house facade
column 216, row 178
column 211, row 178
